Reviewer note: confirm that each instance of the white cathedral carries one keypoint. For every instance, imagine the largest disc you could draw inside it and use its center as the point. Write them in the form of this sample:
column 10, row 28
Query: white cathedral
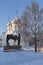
column 12, row 27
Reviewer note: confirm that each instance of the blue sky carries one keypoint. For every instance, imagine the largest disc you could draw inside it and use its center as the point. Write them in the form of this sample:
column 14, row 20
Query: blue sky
column 8, row 9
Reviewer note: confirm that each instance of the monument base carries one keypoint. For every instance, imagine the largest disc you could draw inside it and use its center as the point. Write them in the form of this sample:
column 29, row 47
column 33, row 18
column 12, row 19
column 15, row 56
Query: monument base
column 12, row 47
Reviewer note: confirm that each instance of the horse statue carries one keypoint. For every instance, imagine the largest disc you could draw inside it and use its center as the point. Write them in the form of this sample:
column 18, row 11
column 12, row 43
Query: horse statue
column 13, row 37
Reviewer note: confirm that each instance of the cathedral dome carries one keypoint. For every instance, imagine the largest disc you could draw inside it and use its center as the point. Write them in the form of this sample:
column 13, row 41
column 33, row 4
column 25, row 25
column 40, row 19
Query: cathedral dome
column 9, row 24
column 16, row 20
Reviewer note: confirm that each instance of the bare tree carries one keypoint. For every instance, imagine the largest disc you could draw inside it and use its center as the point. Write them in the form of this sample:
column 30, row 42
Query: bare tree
column 33, row 18
column 24, row 31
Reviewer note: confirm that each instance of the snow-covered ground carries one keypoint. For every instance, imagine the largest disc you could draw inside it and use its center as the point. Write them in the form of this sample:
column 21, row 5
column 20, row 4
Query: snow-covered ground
column 21, row 57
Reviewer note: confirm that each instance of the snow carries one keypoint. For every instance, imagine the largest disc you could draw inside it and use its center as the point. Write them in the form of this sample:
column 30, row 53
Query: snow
column 21, row 57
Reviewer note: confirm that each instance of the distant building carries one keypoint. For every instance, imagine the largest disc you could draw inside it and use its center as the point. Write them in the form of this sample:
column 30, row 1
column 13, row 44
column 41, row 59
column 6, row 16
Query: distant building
column 13, row 26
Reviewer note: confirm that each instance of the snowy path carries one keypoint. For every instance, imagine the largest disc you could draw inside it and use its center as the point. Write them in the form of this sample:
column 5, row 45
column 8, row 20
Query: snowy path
column 25, row 57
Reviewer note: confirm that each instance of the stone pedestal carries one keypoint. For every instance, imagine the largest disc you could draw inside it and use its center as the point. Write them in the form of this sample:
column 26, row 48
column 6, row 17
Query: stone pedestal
column 12, row 47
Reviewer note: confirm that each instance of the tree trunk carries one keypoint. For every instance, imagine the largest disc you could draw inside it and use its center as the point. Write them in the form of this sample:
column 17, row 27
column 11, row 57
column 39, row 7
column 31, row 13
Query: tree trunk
column 35, row 47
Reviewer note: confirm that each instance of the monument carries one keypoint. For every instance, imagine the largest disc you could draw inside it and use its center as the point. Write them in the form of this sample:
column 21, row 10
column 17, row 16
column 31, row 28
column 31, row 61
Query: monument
column 14, row 37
